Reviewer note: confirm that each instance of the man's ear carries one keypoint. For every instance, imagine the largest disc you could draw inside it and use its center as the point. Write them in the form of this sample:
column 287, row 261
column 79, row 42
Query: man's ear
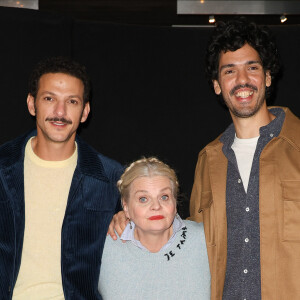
column 85, row 112
column 30, row 104
column 217, row 87
column 268, row 79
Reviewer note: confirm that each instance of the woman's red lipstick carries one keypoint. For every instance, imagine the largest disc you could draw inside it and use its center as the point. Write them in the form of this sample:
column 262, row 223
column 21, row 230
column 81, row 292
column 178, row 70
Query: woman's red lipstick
column 159, row 217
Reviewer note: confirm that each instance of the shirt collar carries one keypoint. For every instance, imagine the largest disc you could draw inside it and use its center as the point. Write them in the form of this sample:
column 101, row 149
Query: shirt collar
column 128, row 234
column 274, row 127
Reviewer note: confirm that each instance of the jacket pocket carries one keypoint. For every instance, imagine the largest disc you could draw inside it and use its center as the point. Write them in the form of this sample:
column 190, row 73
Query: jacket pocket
column 291, row 210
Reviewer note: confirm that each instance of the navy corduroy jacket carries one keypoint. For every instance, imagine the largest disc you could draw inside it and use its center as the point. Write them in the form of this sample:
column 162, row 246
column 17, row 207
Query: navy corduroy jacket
column 93, row 199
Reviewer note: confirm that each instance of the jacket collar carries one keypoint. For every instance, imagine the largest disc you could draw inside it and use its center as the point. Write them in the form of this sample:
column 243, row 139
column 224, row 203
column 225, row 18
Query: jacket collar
column 88, row 162
column 290, row 129
column 13, row 152
column 273, row 127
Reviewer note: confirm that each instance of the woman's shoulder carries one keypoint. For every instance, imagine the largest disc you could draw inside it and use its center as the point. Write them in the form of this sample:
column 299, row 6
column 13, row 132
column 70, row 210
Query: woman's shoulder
column 194, row 230
column 112, row 245
column 194, row 226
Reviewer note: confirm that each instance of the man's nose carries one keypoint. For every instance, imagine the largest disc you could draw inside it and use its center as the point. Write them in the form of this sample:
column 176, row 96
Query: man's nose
column 242, row 77
column 60, row 108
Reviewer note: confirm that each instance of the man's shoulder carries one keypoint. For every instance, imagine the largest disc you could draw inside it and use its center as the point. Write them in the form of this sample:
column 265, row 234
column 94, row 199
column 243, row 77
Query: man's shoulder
column 92, row 162
column 13, row 150
column 291, row 117
column 112, row 167
column 215, row 144
column 290, row 128
column 109, row 162
column 88, row 151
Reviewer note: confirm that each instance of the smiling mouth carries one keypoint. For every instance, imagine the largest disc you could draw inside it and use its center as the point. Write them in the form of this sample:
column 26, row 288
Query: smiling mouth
column 243, row 90
column 244, row 94
column 156, row 218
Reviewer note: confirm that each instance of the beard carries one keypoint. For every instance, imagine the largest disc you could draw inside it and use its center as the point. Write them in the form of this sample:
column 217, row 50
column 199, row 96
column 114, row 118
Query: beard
column 245, row 112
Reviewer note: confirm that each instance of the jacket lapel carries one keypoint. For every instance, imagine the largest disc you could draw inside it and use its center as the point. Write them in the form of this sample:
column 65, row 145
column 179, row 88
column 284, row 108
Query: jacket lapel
column 12, row 176
column 218, row 174
column 12, row 164
column 88, row 164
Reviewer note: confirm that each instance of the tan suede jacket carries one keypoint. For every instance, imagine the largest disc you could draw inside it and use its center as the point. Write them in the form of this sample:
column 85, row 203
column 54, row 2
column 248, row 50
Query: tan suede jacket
column 279, row 212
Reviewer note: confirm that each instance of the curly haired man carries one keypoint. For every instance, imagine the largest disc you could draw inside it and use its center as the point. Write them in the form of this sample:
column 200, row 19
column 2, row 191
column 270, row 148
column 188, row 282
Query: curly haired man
column 247, row 181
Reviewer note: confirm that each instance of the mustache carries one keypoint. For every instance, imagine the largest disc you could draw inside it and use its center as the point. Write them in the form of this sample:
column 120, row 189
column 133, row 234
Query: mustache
column 241, row 86
column 56, row 119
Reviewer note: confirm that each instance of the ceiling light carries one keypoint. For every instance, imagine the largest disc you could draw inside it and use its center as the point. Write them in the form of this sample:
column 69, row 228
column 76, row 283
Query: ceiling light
column 211, row 19
column 283, row 18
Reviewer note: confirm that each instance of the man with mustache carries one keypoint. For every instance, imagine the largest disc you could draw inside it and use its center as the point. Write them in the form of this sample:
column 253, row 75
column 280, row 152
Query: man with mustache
column 57, row 194
column 247, row 182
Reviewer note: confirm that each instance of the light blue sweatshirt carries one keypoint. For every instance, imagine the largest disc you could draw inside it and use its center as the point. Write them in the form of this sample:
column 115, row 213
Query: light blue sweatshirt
column 179, row 272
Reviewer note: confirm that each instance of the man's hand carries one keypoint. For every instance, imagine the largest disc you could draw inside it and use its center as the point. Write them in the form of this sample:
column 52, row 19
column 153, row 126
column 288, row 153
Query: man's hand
column 118, row 224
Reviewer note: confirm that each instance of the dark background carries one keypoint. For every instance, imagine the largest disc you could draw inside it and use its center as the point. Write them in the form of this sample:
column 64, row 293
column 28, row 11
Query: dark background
column 150, row 96
column 146, row 12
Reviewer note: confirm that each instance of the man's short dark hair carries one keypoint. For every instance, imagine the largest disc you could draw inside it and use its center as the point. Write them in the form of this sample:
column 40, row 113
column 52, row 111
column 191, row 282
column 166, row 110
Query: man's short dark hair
column 233, row 35
column 59, row 65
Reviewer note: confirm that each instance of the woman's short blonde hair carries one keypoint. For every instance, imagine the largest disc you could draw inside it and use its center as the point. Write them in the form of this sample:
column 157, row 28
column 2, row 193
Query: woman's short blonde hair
column 146, row 167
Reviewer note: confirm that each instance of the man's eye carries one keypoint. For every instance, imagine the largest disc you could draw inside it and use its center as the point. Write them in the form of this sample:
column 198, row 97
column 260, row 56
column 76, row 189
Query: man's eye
column 164, row 197
column 143, row 199
column 72, row 101
column 48, row 98
column 228, row 72
column 253, row 68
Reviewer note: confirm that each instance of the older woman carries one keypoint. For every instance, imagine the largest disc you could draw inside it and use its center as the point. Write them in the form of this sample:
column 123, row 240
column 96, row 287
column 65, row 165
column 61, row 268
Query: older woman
column 164, row 257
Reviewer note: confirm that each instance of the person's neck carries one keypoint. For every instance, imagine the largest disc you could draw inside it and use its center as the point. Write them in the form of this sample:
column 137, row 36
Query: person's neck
column 53, row 151
column 247, row 128
column 153, row 241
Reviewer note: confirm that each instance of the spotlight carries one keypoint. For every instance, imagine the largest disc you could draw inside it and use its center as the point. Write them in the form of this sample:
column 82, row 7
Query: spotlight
column 211, row 19
column 283, row 19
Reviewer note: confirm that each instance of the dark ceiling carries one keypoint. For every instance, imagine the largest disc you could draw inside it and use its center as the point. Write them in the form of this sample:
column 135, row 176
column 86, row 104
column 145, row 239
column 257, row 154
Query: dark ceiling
column 145, row 12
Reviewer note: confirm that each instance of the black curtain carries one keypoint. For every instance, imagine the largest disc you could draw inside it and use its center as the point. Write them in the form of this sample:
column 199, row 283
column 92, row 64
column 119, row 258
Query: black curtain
column 150, row 95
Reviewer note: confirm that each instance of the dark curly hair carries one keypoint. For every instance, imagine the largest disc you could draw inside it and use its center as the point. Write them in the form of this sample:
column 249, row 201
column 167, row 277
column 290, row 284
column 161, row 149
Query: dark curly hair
column 59, row 65
column 233, row 35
